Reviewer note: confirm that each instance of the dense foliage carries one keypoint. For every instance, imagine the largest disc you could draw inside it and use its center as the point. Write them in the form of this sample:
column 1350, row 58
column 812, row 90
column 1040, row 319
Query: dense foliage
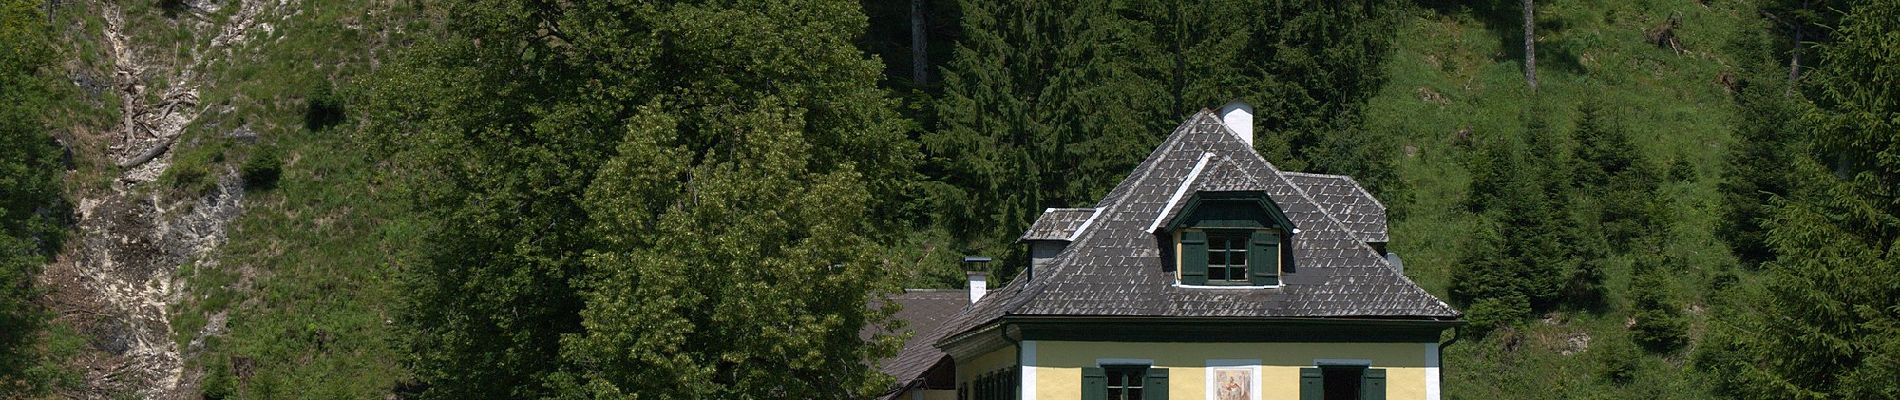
column 671, row 199
column 30, row 202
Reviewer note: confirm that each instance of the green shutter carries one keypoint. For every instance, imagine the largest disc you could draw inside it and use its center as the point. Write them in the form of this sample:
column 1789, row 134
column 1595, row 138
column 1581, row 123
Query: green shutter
column 1263, row 258
column 1154, row 386
column 1194, row 258
column 1373, row 385
column 1312, row 384
column 1094, row 384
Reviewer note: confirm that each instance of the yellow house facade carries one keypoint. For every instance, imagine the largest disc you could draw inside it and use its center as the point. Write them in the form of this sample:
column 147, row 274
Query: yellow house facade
column 1206, row 274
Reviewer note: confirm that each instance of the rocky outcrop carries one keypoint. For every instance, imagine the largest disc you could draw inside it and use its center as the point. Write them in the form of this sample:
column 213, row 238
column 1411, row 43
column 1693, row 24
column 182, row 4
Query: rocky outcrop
column 119, row 280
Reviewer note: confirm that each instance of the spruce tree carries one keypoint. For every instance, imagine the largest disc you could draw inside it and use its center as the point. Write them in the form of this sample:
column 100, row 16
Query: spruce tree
column 1658, row 322
column 1830, row 324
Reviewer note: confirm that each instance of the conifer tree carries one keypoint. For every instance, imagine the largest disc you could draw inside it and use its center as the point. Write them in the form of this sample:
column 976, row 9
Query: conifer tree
column 1048, row 104
column 1658, row 322
column 1829, row 326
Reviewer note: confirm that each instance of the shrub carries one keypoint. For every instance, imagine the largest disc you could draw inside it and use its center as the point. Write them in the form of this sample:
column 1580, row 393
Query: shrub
column 1616, row 361
column 324, row 108
column 1490, row 314
column 261, row 170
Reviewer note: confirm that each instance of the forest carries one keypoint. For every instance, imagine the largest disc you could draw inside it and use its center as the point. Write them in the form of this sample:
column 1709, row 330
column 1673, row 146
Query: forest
column 451, row 199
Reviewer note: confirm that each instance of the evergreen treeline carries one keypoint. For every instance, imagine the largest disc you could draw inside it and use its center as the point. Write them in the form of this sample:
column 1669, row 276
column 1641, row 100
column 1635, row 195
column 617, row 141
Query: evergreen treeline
column 1048, row 104
column 1826, row 322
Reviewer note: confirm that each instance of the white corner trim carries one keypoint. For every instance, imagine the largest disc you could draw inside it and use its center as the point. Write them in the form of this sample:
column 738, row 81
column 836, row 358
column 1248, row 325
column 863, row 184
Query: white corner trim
column 1026, row 387
column 1085, row 225
column 1180, row 191
column 1431, row 372
column 1124, row 361
column 1250, row 364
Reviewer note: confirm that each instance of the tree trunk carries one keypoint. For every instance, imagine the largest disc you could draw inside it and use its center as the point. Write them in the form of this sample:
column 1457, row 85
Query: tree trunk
column 919, row 55
column 1794, row 58
column 1530, row 47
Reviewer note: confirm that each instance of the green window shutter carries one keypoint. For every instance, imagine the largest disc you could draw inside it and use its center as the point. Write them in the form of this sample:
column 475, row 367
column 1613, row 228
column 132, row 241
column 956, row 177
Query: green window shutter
column 1312, row 384
column 1263, row 258
column 1094, row 384
column 1194, row 258
column 1154, row 386
column 1372, row 386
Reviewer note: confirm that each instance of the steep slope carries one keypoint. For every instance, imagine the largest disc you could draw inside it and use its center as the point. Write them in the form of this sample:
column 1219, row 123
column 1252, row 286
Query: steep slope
column 200, row 94
column 1456, row 79
column 131, row 238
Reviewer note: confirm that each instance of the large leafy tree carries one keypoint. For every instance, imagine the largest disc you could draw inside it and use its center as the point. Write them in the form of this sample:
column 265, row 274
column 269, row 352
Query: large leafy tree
column 1830, row 323
column 654, row 197
column 29, row 190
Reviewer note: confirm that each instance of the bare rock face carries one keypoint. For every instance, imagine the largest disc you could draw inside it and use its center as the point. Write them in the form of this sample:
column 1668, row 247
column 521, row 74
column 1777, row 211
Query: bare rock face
column 118, row 281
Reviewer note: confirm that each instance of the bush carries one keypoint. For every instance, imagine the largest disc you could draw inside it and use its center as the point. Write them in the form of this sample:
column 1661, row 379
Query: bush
column 1660, row 329
column 261, row 170
column 1490, row 314
column 194, row 169
column 324, row 108
column 1616, row 361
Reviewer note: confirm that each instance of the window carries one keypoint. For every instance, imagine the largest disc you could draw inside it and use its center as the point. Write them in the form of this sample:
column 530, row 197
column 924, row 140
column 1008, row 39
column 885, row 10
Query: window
column 1227, row 257
column 1342, row 383
column 1124, row 382
column 1350, row 382
column 1236, row 257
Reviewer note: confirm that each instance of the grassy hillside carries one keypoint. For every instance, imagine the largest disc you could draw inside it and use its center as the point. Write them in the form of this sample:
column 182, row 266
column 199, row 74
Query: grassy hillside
column 306, row 284
column 295, row 303
column 1456, row 77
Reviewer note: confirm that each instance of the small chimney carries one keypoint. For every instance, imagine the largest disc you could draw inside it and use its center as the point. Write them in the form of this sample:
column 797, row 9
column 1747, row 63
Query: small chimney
column 979, row 281
column 1238, row 117
column 979, row 285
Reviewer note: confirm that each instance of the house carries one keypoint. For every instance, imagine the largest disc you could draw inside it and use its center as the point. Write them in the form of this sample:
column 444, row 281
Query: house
column 1207, row 273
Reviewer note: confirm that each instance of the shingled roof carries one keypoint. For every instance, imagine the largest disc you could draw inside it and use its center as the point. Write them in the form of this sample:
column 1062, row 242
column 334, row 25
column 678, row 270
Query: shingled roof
column 923, row 311
column 1348, row 202
column 1060, row 224
column 1115, row 267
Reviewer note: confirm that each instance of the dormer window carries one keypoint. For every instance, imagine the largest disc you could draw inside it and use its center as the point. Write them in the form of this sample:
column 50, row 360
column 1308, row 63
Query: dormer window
column 1230, row 239
column 1230, row 257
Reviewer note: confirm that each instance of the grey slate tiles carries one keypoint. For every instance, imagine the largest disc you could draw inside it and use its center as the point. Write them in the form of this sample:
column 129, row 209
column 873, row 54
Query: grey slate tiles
column 1115, row 267
column 1059, row 224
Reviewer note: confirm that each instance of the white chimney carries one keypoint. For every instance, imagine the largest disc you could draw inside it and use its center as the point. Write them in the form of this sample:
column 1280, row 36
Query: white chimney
column 979, row 285
column 1239, row 118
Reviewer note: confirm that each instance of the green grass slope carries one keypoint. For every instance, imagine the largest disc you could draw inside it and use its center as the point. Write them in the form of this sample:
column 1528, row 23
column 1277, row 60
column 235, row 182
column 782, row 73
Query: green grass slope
column 1456, row 76
column 300, row 302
